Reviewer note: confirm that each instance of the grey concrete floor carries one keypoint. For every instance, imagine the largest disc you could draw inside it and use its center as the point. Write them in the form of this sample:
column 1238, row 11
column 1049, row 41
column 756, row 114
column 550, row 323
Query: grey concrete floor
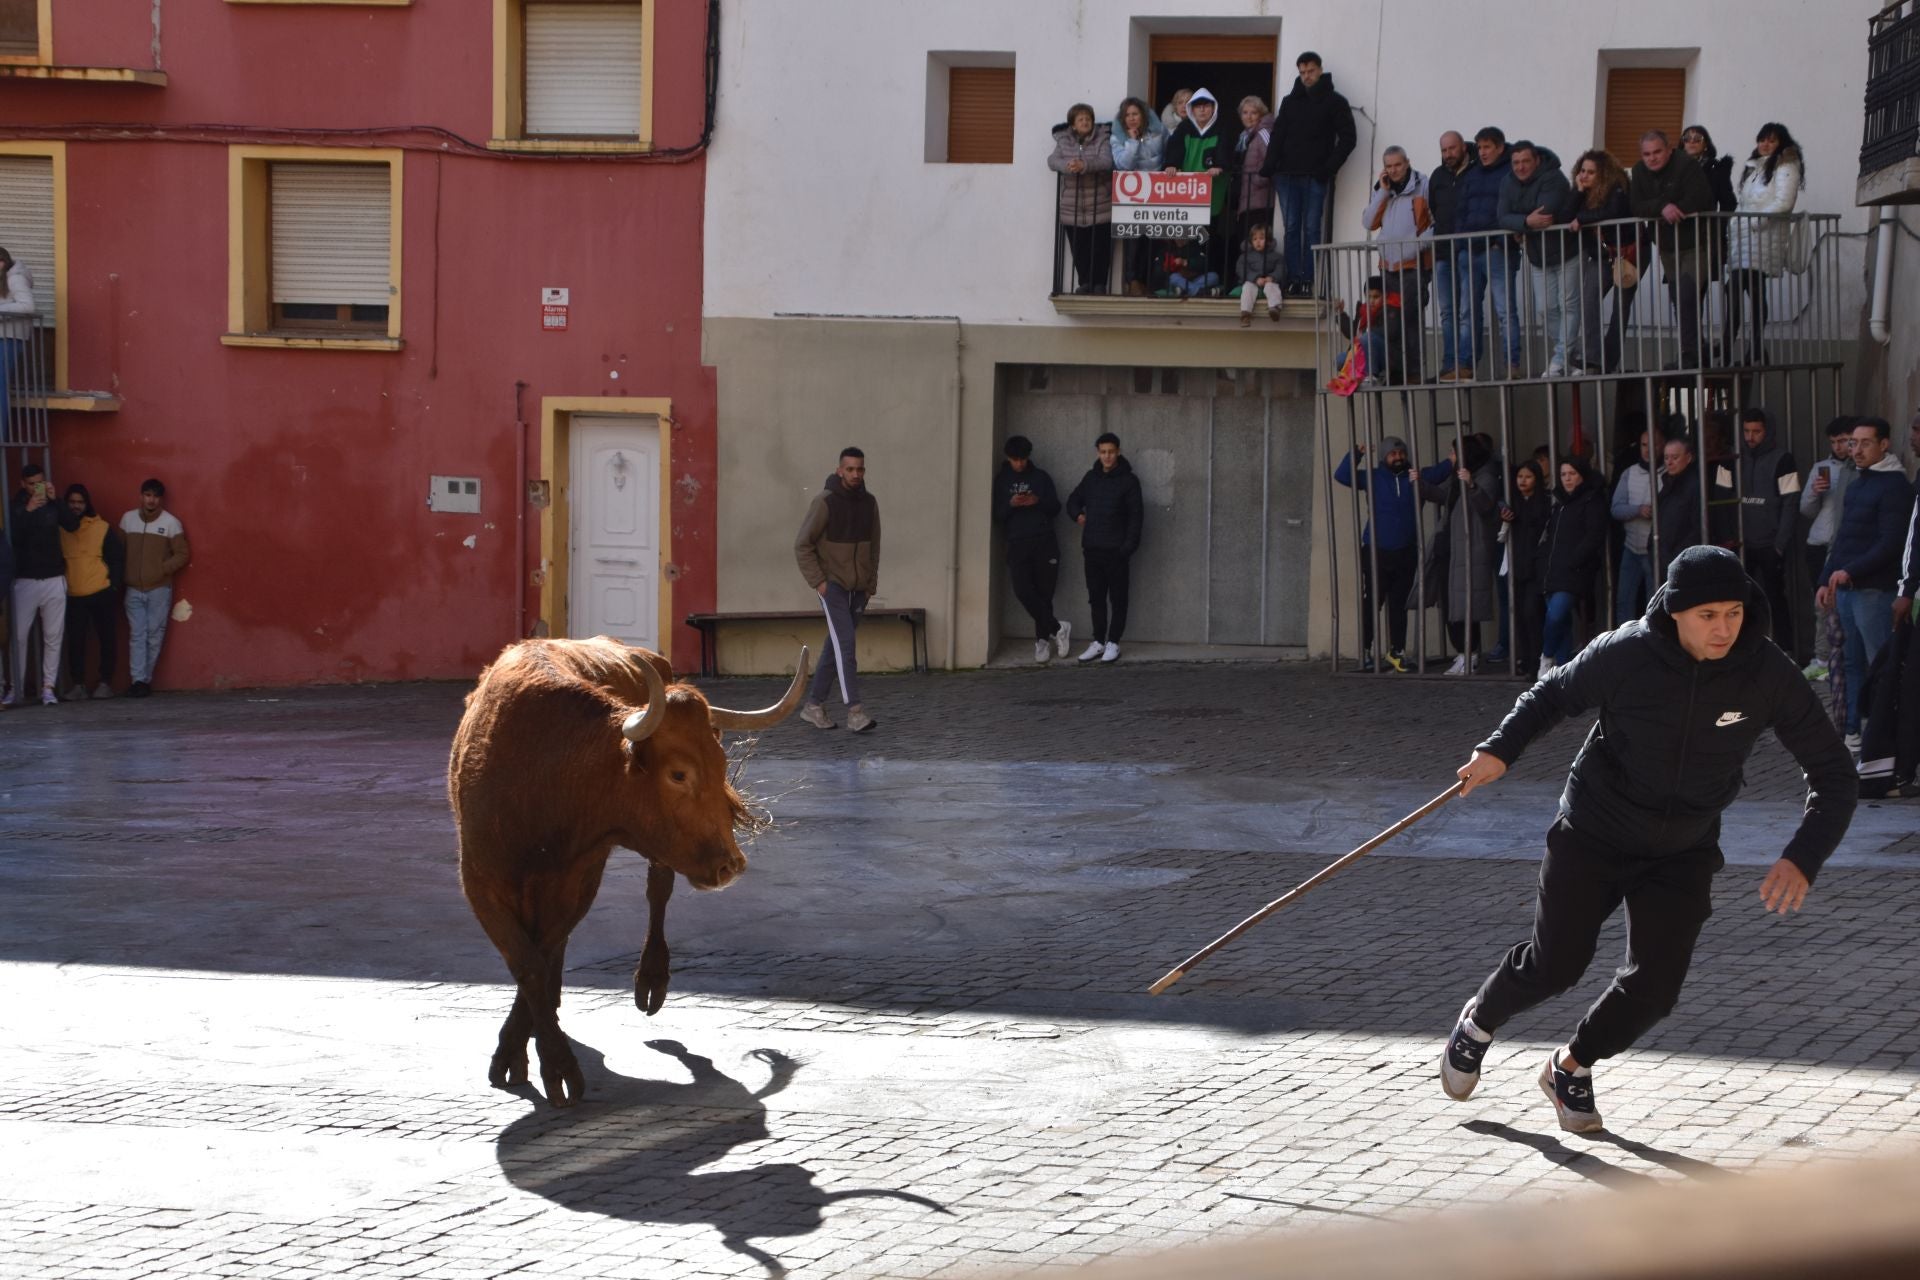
column 251, row 1013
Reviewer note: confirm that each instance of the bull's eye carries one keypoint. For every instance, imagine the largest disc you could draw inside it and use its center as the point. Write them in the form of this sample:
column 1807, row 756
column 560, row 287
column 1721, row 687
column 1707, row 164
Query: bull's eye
column 679, row 775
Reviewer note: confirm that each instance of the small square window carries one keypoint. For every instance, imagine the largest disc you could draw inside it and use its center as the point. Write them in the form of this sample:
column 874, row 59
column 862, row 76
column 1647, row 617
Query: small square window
column 970, row 98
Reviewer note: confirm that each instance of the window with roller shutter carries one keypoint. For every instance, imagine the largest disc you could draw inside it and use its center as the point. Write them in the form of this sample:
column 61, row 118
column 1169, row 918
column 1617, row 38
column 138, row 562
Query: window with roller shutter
column 583, row 70
column 330, row 245
column 20, row 30
column 1640, row 99
column 27, row 228
column 980, row 115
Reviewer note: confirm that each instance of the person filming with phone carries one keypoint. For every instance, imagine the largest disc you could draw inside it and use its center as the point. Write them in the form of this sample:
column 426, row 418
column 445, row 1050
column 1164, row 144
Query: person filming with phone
column 40, row 584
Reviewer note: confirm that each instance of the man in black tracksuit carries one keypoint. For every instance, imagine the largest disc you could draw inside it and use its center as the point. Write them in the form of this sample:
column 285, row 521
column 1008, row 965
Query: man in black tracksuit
column 1683, row 694
column 1106, row 505
column 1024, row 506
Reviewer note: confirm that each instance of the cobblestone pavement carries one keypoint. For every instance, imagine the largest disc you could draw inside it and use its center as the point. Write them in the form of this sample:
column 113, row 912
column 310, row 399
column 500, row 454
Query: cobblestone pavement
column 250, row 1013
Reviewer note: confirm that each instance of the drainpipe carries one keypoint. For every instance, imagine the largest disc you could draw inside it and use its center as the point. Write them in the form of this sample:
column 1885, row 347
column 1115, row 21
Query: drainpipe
column 519, row 512
column 1886, row 230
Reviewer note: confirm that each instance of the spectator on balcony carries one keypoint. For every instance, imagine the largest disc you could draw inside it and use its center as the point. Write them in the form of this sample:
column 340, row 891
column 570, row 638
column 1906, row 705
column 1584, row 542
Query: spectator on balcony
column 1632, row 507
column 1443, row 197
column 1187, row 273
column 1107, row 506
column 1669, row 189
column 1258, row 271
column 1821, row 500
column 96, row 557
column 1376, row 316
column 1758, row 248
column 156, row 550
column 1532, row 198
column 1401, row 219
column 1253, row 198
column 16, row 325
column 1525, row 521
column 1174, row 114
column 1200, row 145
column 1139, row 143
column 1698, row 144
column 39, row 584
column 1083, row 157
column 1678, row 517
column 1576, row 539
column 1863, row 563
column 1490, row 259
column 1610, row 254
column 1769, row 495
column 1312, row 137
column 1470, row 498
column 1392, row 536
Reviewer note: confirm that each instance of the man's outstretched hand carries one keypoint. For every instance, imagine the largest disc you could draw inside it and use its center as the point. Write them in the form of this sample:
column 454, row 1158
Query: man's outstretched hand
column 1484, row 768
column 1784, row 889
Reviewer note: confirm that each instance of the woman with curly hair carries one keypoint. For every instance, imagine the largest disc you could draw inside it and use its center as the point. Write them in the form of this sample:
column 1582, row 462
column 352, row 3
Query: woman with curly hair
column 1611, row 256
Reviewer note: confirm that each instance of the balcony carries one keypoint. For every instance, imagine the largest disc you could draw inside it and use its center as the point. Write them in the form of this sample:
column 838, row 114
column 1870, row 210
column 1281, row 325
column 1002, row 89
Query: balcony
column 1890, row 142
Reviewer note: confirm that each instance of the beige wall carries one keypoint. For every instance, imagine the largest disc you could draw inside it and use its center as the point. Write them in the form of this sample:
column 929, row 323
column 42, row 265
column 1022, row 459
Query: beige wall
column 794, row 390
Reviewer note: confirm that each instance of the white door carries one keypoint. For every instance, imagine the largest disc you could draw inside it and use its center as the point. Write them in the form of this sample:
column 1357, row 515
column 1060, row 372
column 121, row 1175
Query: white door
column 614, row 517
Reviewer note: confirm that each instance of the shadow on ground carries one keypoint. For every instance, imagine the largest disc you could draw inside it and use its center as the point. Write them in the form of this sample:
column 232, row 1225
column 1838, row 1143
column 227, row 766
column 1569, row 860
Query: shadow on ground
column 632, row 1150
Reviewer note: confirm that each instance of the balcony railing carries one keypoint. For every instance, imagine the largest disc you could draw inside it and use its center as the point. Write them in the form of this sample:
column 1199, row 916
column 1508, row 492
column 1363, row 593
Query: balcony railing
column 1892, row 132
column 26, row 365
column 1178, row 237
column 1714, row 292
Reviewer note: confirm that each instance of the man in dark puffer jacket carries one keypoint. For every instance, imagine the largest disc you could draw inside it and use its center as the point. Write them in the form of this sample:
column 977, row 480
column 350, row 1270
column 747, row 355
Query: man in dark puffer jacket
column 1106, row 504
column 1684, row 695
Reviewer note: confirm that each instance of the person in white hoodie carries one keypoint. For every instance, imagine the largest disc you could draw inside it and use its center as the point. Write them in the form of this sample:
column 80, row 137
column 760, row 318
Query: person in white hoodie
column 16, row 325
column 1760, row 239
column 1633, row 509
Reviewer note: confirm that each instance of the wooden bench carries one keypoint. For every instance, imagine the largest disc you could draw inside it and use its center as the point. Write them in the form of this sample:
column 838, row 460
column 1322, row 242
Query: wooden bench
column 708, row 625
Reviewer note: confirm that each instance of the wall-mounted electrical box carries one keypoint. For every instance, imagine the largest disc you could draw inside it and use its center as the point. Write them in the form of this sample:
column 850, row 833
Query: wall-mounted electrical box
column 454, row 495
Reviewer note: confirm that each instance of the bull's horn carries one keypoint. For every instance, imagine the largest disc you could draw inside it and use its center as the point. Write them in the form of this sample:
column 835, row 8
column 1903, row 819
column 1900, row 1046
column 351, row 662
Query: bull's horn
column 766, row 717
column 641, row 724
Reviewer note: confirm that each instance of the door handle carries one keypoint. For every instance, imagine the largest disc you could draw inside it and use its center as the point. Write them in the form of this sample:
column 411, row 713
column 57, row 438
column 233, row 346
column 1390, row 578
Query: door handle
column 613, row 560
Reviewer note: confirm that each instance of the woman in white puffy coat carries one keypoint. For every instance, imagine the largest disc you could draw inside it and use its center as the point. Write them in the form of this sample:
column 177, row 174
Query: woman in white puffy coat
column 1760, row 246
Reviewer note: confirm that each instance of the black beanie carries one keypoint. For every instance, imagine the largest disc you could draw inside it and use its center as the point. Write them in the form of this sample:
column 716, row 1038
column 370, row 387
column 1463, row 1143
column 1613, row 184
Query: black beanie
column 1703, row 575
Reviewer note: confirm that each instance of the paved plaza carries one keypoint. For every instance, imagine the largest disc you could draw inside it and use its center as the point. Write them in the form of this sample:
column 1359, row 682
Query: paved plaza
column 250, row 1013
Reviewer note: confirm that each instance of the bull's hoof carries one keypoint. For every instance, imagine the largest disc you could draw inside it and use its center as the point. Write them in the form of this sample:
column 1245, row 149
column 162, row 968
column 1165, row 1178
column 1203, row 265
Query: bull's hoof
column 560, row 1074
column 507, row 1069
column 649, row 990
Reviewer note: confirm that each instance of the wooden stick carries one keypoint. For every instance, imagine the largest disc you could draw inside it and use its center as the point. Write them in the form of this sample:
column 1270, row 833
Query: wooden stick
column 1180, row 969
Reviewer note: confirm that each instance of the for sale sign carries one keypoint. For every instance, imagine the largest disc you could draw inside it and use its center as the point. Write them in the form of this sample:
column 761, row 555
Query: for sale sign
column 1162, row 205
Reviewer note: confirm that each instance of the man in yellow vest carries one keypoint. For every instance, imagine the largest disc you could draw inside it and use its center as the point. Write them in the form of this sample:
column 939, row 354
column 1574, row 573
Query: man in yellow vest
column 96, row 558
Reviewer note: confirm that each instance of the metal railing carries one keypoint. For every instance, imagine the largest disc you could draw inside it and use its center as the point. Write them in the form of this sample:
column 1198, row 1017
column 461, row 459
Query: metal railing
column 1191, row 256
column 26, row 378
column 1751, row 318
column 1892, row 130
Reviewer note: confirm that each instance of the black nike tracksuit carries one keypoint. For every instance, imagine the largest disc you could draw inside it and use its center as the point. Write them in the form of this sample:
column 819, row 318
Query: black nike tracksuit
column 1639, row 819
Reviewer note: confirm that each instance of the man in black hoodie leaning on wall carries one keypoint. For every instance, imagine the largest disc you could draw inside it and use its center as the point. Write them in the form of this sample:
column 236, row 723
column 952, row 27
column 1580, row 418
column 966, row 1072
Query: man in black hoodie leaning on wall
column 1024, row 506
column 1684, row 694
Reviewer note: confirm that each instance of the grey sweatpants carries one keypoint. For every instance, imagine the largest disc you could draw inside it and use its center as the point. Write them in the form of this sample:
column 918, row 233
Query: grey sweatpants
column 843, row 609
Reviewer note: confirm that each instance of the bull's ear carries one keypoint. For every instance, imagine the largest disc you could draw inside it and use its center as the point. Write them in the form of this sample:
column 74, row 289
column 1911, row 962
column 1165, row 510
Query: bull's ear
column 640, row 725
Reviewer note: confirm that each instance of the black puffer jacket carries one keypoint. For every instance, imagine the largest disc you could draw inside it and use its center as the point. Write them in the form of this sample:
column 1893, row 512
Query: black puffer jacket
column 1576, row 538
column 36, row 539
column 1111, row 502
column 1669, row 751
column 1313, row 132
column 1030, row 522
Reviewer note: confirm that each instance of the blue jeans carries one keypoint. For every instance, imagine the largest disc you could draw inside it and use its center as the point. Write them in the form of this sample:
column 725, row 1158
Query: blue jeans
column 1193, row 284
column 1635, row 582
column 1443, row 295
column 146, row 630
column 1302, row 204
column 1866, row 619
column 1500, row 263
column 1556, row 640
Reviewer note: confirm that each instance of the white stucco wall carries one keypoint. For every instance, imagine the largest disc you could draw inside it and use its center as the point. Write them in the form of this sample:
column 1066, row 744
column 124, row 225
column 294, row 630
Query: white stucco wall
column 819, row 198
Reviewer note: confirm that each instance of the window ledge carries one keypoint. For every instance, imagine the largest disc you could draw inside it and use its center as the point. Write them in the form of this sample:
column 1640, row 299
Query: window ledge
column 310, row 342
column 97, row 75
column 74, row 402
column 577, row 146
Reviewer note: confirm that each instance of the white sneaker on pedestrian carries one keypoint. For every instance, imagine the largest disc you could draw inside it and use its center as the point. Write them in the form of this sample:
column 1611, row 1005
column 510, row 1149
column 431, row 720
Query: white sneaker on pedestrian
column 1460, row 1060
column 1853, row 744
column 1062, row 638
column 103, row 690
column 1555, row 369
column 1572, row 1095
column 1459, row 667
column 48, row 698
column 1042, row 650
column 816, row 715
column 1092, row 651
column 858, row 720
column 1546, row 668
column 1111, row 653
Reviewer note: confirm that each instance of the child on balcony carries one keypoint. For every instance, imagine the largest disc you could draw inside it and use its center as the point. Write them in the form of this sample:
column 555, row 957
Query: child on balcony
column 1187, row 274
column 1375, row 320
column 1257, row 269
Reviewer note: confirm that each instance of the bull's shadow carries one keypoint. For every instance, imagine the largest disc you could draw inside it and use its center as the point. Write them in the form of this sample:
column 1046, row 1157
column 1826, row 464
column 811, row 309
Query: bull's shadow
column 631, row 1148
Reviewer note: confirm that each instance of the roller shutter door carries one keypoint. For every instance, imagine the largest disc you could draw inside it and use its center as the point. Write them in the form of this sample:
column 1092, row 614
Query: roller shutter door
column 980, row 115
column 332, row 234
column 583, row 65
column 26, row 223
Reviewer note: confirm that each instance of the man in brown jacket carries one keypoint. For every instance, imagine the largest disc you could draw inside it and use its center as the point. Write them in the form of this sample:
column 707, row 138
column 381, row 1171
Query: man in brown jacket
column 838, row 550
column 156, row 550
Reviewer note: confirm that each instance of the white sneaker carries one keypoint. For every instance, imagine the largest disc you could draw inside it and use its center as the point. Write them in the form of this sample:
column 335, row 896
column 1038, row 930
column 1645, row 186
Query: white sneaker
column 1555, row 369
column 816, row 715
column 1546, row 668
column 1459, row 667
column 1460, row 1060
column 1092, row 651
column 1042, row 650
column 1062, row 638
column 1853, row 744
column 1111, row 653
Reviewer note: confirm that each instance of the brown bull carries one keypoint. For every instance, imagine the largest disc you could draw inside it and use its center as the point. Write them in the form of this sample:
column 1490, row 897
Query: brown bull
column 568, row 748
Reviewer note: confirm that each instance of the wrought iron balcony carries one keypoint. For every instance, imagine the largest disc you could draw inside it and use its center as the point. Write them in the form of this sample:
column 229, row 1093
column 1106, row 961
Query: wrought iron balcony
column 1890, row 142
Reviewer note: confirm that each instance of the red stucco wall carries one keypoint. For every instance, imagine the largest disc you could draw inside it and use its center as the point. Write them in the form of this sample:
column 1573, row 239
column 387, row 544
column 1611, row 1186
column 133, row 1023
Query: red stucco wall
column 302, row 475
